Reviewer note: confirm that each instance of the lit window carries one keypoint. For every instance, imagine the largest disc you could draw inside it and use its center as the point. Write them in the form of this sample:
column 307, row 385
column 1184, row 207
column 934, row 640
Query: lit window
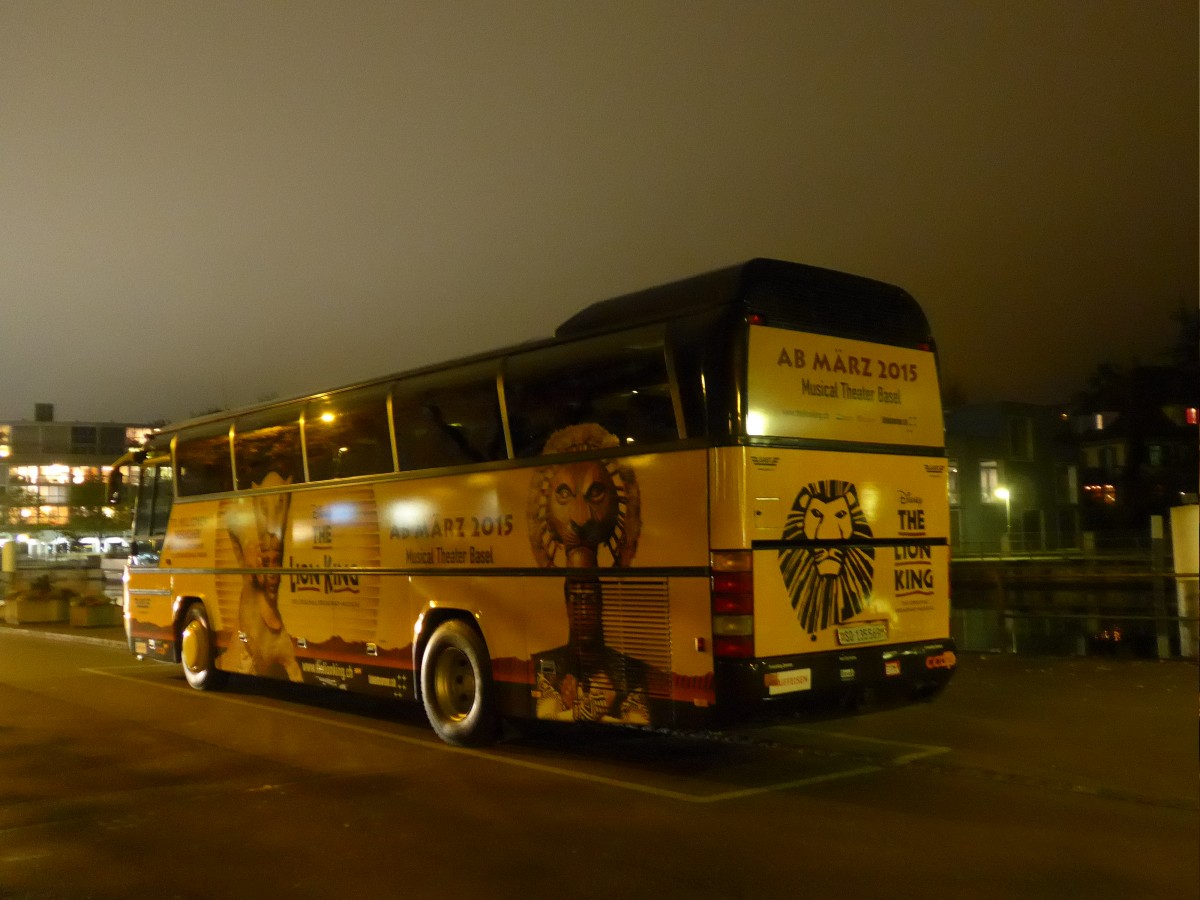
column 1100, row 493
column 989, row 479
column 1190, row 415
column 952, row 482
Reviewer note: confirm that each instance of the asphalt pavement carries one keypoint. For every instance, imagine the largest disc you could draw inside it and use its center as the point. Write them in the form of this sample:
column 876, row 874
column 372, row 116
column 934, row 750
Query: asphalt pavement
column 1043, row 676
column 1120, row 728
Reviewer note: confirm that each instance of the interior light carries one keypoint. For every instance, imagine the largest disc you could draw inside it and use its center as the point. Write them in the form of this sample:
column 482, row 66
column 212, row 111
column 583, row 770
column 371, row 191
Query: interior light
column 327, row 417
column 756, row 423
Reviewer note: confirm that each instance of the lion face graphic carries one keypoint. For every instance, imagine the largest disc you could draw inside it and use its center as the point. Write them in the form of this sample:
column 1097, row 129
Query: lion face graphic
column 586, row 510
column 827, row 584
column 827, row 520
column 582, row 512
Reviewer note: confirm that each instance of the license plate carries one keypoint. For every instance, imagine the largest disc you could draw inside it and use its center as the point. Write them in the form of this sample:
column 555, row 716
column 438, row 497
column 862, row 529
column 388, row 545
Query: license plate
column 867, row 633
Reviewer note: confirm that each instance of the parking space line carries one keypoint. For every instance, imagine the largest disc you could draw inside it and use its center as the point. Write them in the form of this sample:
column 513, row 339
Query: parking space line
column 920, row 751
column 490, row 756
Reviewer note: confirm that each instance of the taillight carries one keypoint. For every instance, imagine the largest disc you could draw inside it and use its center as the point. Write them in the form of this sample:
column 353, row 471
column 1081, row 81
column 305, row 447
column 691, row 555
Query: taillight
column 732, row 603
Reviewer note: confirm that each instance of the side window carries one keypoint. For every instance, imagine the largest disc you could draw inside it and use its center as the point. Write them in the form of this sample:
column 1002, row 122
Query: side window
column 619, row 383
column 268, row 442
column 347, row 434
column 156, row 493
column 164, row 497
column 202, row 460
column 448, row 419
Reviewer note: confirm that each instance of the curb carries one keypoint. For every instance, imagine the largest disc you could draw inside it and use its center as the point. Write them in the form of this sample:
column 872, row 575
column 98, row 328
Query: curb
column 64, row 637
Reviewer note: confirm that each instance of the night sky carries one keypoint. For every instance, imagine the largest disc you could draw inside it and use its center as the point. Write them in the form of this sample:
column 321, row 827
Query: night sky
column 207, row 204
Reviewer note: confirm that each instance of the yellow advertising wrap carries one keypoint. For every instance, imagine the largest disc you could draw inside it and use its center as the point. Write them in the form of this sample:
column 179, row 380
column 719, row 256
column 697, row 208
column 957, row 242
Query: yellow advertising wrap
column 855, row 546
column 328, row 584
column 813, row 386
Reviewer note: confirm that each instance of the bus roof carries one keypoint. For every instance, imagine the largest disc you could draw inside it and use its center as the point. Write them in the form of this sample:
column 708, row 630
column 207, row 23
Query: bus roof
column 786, row 294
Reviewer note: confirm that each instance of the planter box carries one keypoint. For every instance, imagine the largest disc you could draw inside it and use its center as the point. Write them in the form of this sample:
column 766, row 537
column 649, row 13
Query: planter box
column 18, row 612
column 95, row 616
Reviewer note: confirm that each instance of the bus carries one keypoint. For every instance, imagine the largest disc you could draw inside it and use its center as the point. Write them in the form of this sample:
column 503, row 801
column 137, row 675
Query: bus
column 703, row 503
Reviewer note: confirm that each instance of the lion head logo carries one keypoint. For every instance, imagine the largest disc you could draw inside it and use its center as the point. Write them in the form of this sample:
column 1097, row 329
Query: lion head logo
column 587, row 510
column 827, row 584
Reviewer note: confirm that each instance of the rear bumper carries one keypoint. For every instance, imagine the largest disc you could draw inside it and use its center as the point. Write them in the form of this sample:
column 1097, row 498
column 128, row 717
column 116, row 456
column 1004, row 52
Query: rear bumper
column 764, row 688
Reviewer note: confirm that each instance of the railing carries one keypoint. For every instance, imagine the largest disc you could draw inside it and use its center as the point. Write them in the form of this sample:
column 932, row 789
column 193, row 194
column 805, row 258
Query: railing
column 1035, row 545
column 1073, row 609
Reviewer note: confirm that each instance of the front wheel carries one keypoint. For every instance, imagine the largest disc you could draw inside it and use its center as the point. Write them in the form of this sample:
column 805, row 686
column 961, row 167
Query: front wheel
column 197, row 650
column 457, row 687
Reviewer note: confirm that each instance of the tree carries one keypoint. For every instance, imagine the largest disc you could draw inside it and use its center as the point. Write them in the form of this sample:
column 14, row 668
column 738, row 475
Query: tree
column 13, row 499
column 92, row 515
column 1150, row 453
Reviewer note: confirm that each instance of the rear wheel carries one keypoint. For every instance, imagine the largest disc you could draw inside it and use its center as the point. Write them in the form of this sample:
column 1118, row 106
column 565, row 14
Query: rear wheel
column 457, row 687
column 928, row 692
column 197, row 650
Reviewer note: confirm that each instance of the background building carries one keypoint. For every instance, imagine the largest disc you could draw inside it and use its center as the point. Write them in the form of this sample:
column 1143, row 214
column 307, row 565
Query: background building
column 53, row 478
column 1027, row 478
column 1013, row 478
column 1137, row 438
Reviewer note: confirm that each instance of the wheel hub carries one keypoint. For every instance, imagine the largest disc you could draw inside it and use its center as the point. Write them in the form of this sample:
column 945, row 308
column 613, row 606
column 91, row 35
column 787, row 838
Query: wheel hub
column 194, row 646
column 454, row 684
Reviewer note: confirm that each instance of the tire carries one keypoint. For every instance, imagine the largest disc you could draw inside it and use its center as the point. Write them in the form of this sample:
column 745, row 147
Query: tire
column 457, row 687
column 197, row 650
column 928, row 692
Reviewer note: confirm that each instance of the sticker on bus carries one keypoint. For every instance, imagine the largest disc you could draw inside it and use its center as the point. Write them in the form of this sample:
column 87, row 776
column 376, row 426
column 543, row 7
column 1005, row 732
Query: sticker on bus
column 787, row 682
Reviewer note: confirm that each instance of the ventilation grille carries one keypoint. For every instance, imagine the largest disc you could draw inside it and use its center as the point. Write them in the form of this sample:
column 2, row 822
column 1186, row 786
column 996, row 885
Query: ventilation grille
column 637, row 622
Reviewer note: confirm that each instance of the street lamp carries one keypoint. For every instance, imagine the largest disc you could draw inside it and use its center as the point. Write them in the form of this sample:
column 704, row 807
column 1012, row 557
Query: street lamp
column 1006, row 495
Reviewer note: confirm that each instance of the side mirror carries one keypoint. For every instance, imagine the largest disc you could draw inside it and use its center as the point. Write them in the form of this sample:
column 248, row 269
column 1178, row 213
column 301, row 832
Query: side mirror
column 115, row 482
column 116, row 479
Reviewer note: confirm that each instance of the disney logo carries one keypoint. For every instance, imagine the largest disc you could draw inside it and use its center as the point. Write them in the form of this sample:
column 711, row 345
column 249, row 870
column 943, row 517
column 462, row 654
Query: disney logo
column 906, row 497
